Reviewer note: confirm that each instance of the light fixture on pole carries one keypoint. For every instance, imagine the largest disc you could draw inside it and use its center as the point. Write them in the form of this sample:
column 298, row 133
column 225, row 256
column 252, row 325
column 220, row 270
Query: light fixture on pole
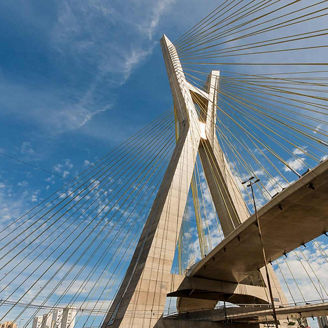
column 250, row 184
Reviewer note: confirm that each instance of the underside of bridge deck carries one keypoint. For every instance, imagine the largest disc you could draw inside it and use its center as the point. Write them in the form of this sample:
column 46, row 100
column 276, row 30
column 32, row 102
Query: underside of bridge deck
column 295, row 216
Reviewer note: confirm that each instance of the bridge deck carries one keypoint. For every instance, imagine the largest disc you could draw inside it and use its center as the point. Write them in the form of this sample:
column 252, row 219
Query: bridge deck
column 251, row 314
column 295, row 216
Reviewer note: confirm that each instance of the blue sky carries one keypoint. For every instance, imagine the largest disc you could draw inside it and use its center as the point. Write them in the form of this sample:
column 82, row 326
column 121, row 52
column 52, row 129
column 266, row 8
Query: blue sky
column 76, row 79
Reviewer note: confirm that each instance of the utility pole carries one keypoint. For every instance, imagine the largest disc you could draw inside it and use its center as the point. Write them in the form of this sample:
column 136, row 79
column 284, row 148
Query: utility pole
column 250, row 184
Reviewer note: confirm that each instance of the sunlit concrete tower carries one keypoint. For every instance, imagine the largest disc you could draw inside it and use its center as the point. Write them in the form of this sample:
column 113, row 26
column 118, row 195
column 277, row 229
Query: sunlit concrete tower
column 141, row 298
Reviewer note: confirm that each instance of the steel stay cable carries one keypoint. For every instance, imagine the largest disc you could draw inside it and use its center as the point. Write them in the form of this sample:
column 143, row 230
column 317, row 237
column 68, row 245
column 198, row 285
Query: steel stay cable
column 188, row 32
column 283, row 276
column 254, row 45
column 256, row 123
column 273, row 85
column 51, row 216
column 226, row 32
column 121, row 258
column 289, row 92
column 254, row 89
column 66, row 238
column 242, row 87
column 48, row 307
column 131, row 139
column 52, row 307
column 62, row 294
column 276, row 122
column 59, row 196
column 295, row 281
column 321, row 250
column 256, row 64
column 315, row 287
column 200, row 35
column 110, row 200
column 82, row 197
column 211, row 159
column 200, row 231
column 242, row 77
column 132, row 245
column 28, row 245
column 264, row 145
column 236, row 170
column 106, row 223
column 264, row 87
column 198, row 187
column 282, row 123
column 227, row 54
column 268, row 159
column 313, row 271
column 293, row 154
column 243, row 163
column 200, row 106
column 157, row 167
column 204, row 207
column 251, row 90
column 195, row 35
column 192, row 45
column 158, row 161
column 208, row 154
column 270, row 28
column 253, row 157
column 257, row 139
column 250, row 168
column 281, row 80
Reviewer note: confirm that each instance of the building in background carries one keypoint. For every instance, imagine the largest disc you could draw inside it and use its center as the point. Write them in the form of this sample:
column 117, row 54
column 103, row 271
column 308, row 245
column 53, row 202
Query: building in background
column 37, row 322
column 59, row 318
column 323, row 322
column 68, row 320
column 47, row 320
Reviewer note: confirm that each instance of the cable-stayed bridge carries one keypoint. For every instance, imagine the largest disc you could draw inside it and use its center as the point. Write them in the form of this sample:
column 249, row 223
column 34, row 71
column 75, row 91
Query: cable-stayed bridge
column 164, row 231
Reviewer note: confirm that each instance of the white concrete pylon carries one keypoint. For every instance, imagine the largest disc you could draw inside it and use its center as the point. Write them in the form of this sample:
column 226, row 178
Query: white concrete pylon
column 141, row 298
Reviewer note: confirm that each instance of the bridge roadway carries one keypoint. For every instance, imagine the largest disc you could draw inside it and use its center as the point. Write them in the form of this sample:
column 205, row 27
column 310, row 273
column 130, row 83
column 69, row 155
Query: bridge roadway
column 246, row 315
column 295, row 216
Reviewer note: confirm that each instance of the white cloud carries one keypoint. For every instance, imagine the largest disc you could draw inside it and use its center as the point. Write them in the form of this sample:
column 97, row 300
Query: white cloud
column 73, row 117
column 99, row 30
column 26, row 148
column 295, row 164
column 64, row 169
column 158, row 10
column 298, row 162
column 299, row 151
column 309, row 269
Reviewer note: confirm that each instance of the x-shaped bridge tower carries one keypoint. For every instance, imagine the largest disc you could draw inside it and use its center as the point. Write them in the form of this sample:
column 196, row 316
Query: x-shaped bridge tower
column 141, row 298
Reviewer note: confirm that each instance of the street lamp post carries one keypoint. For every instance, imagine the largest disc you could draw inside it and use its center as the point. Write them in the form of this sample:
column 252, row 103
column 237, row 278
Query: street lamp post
column 250, row 184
